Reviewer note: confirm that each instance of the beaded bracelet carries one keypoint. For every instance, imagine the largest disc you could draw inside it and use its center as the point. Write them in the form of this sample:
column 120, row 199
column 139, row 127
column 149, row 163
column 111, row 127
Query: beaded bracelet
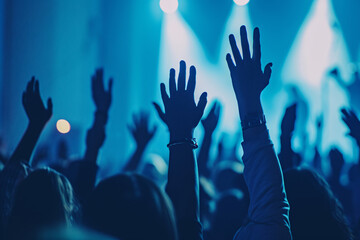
column 190, row 141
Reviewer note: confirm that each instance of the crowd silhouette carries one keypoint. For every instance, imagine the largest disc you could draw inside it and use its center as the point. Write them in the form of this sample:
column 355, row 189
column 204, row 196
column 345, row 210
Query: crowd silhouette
column 264, row 195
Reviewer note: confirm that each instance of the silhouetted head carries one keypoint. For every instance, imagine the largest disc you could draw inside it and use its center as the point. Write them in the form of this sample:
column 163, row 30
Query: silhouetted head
column 231, row 211
column 228, row 175
column 129, row 206
column 315, row 213
column 43, row 199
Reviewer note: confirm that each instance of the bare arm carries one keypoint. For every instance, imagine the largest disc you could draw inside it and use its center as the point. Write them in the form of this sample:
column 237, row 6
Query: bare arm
column 142, row 134
column 181, row 116
column 38, row 116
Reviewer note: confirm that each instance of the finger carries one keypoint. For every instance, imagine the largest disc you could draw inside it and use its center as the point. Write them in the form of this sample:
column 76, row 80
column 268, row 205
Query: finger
column 172, row 84
column 164, row 95
column 235, row 49
column 159, row 111
column 230, row 62
column 144, row 119
column 100, row 81
column 217, row 109
column 267, row 72
column 49, row 106
column 256, row 46
column 192, row 80
column 213, row 108
column 182, row 75
column 344, row 111
column 201, row 105
column 244, row 43
column 36, row 88
column 30, row 85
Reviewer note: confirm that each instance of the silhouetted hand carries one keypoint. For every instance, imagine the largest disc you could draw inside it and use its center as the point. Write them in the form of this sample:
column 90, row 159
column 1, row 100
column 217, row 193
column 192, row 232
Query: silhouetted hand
column 101, row 97
column 181, row 114
column 211, row 121
column 140, row 129
column 288, row 121
column 352, row 122
column 248, row 79
column 34, row 107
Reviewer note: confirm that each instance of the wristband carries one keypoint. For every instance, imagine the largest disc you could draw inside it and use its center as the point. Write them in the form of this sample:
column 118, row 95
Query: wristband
column 251, row 121
column 189, row 141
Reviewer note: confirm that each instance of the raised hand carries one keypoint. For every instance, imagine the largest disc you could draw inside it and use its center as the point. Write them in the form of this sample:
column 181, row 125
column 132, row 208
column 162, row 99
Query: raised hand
column 211, row 121
column 288, row 121
column 248, row 79
column 140, row 129
column 181, row 114
column 101, row 97
column 38, row 116
column 352, row 122
column 34, row 107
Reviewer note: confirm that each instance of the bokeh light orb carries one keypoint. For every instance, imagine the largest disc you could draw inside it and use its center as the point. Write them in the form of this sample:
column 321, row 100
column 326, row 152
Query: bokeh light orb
column 241, row 2
column 63, row 126
column 169, row 6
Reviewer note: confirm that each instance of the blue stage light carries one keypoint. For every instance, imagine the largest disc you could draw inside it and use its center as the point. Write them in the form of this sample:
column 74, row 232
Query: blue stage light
column 169, row 6
column 241, row 2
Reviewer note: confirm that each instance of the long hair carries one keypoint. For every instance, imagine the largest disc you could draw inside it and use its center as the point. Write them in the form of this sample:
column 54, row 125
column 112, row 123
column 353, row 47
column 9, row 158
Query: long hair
column 43, row 199
column 315, row 213
column 129, row 206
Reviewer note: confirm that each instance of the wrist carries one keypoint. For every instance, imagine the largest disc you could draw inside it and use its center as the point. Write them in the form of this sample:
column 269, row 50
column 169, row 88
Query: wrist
column 178, row 135
column 35, row 126
column 250, row 108
column 101, row 117
column 208, row 134
column 141, row 147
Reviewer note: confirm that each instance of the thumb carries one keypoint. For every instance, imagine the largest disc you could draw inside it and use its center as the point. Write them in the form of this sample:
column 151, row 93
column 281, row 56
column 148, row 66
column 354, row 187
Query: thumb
column 267, row 72
column 201, row 105
column 159, row 111
column 49, row 106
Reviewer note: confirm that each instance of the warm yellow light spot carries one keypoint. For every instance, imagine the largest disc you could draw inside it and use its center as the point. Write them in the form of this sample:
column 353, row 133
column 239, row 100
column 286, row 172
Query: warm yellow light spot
column 63, row 126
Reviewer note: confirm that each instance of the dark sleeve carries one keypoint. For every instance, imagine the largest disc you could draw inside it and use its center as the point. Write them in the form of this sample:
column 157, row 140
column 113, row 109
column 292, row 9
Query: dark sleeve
column 269, row 209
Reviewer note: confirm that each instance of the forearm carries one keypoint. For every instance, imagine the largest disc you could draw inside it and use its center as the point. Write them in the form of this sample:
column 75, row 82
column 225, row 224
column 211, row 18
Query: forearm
column 249, row 108
column 135, row 160
column 183, row 190
column 91, row 154
column 27, row 143
column 263, row 176
column 93, row 145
